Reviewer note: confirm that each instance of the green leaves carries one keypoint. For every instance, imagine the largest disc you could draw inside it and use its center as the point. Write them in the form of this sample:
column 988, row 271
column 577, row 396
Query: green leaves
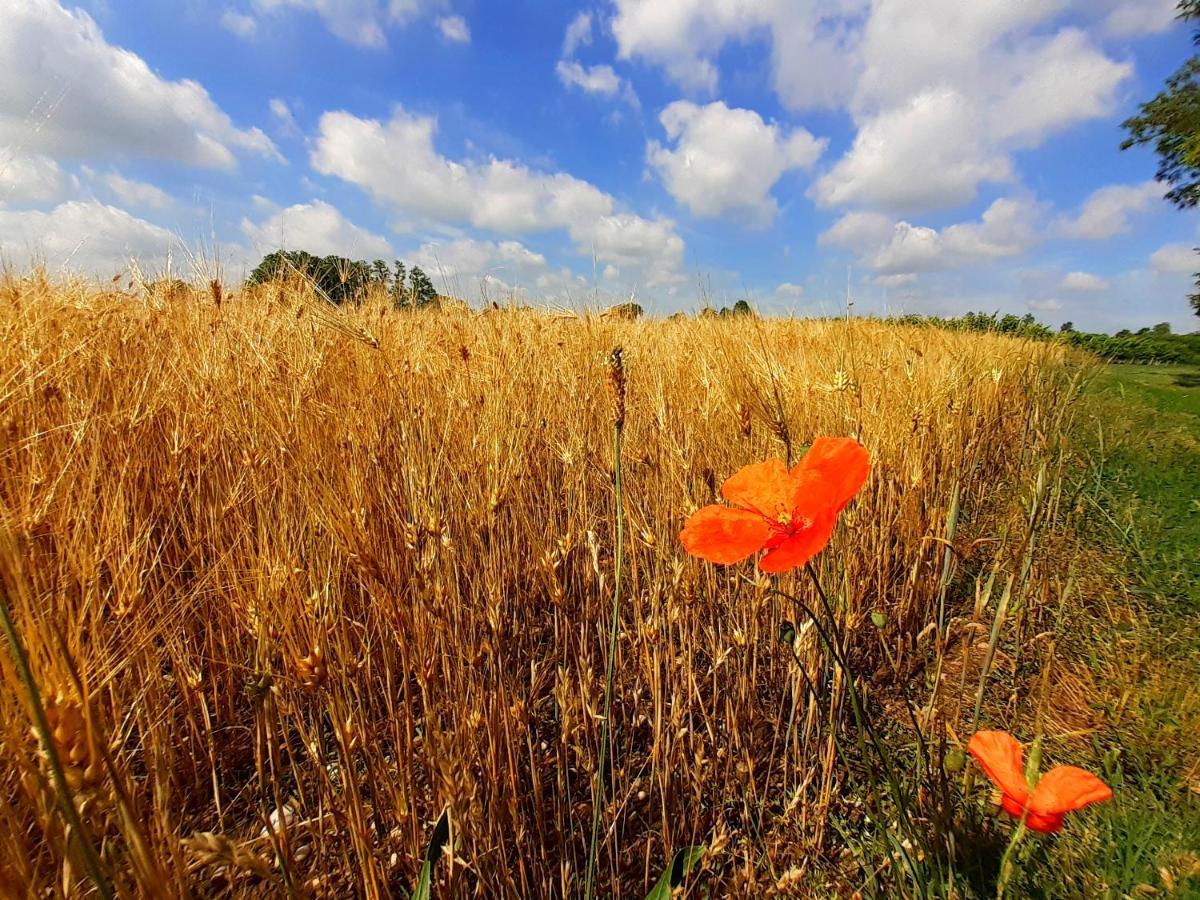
column 441, row 836
column 681, row 864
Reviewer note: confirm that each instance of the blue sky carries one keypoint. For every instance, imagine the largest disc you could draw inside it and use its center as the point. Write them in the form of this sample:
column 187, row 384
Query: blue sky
column 922, row 155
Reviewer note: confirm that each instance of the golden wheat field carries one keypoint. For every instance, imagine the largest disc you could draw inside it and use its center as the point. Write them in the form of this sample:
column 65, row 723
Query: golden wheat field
column 293, row 580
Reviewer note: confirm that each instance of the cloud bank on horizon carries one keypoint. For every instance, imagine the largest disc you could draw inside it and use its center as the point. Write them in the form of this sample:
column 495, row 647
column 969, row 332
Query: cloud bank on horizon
column 918, row 155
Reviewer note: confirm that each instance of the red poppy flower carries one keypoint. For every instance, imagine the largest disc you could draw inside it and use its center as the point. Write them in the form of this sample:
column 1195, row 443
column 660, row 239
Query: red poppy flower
column 1062, row 790
column 789, row 514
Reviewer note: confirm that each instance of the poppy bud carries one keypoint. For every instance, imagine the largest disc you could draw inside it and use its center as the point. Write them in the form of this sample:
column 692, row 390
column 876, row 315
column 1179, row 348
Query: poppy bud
column 878, row 618
column 787, row 633
column 954, row 761
column 1033, row 767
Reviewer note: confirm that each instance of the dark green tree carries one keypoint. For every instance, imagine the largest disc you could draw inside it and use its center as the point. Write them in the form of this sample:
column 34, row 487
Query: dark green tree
column 420, row 287
column 1171, row 123
column 338, row 278
column 344, row 279
column 1009, row 324
column 283, row 264
column 1066, row 328
column 399, row 285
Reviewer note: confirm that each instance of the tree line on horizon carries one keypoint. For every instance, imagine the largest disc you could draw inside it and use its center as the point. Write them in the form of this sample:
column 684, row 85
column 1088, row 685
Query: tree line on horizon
column 341, row 279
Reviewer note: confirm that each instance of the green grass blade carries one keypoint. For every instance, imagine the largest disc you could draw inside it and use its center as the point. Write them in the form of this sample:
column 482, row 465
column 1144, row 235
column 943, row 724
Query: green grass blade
column 681, row 864
column 441, row 835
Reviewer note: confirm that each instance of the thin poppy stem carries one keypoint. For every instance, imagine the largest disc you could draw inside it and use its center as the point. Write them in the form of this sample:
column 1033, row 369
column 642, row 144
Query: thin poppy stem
column 1006, row 863
column 862, row 720
column 605, row 729
column 90, row 858
column 840, row 660
column 860, row 716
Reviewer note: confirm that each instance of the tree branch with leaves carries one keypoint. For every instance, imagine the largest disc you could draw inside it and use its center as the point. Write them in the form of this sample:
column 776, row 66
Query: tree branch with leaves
column 1171, row 124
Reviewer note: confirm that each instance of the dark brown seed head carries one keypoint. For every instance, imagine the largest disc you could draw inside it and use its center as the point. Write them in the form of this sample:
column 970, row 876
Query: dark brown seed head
column 616, row 385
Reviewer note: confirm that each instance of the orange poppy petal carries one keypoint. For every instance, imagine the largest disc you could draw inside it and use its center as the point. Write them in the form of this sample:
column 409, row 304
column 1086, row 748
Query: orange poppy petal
column 1001, row 758
column 1045, row 823
column 830, row 474
column 1011, row 806
column 1065, row 789
column 797, row 549
column 724, row 535
column 764, row 487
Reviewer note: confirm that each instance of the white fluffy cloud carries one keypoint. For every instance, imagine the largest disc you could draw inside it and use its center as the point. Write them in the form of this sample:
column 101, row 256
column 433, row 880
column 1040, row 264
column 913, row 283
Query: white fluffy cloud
column 814, row 46
column 942, row 91
column 912, row 248
column 318, row 228
column 601, row 80
column 454, row 29
column 83, row 236
column 1053, row 84
column 928, row 154
column 938, row 118
column 908, row 47
column 137, row 193
column 69, row 93
column 579, row 33
column 466, row 256
column 858, row 231
column 500, row 271
column 464, row 267
column 727, row 160
column 397, row 163
column 29, row 178
column 1009, row 227
column 648, row 246
column 1175, row 259
column 1106, row 213
column 1083, row 281
column 359, row 22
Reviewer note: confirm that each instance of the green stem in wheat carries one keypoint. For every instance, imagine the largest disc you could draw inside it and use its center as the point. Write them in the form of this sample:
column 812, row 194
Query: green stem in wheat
column 42, row 726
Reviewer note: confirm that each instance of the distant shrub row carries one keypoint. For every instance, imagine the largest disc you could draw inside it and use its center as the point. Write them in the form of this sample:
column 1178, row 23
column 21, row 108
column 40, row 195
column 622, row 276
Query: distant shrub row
column 344, row 280
column 1147, row 345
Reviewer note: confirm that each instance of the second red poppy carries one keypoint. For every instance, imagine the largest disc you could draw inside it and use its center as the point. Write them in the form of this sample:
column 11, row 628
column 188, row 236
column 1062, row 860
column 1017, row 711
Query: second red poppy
column 790, row 514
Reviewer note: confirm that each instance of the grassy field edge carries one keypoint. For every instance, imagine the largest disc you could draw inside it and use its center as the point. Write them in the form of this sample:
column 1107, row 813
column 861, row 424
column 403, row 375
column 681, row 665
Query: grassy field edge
column 1137, row 638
